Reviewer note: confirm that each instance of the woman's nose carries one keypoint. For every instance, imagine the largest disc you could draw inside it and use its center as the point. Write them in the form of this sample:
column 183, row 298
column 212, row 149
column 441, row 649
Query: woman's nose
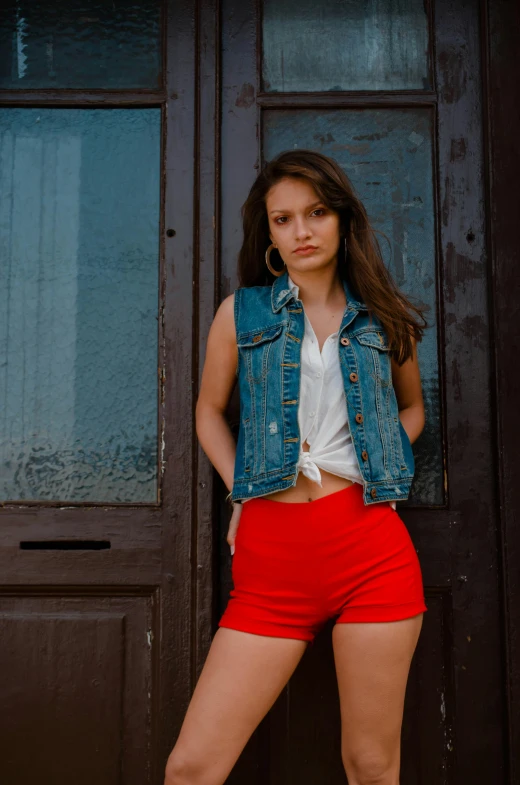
column 301, row 229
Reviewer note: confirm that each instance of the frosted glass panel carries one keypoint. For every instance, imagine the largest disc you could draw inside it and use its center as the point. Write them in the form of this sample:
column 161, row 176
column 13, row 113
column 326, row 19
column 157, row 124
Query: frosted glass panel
column 80, row 43
column 345, row 45
column 79, row 257
column 387, row 153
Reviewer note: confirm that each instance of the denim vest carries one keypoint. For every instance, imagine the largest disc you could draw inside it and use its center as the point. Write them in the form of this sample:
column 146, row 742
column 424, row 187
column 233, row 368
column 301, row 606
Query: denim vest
column 269, row 324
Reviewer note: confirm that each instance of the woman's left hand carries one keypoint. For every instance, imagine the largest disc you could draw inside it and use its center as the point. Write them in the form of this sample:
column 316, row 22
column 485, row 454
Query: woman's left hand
column 233, row 526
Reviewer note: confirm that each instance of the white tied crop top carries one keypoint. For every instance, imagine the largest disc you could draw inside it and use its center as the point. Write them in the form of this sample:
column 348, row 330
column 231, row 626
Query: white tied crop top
column 322, row 411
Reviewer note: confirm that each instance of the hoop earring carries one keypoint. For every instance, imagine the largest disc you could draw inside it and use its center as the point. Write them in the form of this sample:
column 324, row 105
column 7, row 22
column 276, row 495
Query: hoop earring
column 268, row 263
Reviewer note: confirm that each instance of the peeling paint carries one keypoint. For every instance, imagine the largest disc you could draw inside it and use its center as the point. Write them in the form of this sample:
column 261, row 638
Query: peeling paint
column 371, row 137
column 246, row 96
column 458, row 149
column 416, row 138
column 163, row 446
column 452, row 75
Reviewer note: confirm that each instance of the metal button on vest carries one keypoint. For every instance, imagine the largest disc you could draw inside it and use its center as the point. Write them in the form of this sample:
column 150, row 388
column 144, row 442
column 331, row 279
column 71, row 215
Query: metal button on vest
column 373, row 493
column 353, row 377
column 364, row 455
column 257, row 337
column 359, row 417
column 345, row 341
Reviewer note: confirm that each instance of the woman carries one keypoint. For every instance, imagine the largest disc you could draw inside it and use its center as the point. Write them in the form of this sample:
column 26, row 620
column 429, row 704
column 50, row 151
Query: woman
column 324, row 348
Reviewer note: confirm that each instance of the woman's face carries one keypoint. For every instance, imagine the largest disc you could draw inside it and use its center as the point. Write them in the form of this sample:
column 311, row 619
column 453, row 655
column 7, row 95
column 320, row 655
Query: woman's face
column 297, row 217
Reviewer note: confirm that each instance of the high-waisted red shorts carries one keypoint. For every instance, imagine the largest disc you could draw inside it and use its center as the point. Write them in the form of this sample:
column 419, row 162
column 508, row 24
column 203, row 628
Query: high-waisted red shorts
column 297, row 564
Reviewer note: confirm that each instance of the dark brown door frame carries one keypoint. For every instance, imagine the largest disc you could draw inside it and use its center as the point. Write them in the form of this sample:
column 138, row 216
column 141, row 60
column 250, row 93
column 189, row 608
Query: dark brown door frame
column 502, row 88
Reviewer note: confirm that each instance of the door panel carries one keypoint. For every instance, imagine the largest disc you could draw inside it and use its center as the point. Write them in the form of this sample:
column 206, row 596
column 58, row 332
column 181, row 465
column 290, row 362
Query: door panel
column 78, row 668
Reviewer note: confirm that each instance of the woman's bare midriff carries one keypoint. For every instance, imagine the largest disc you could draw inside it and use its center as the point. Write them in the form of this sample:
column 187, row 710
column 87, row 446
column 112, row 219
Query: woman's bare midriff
column 307, row 490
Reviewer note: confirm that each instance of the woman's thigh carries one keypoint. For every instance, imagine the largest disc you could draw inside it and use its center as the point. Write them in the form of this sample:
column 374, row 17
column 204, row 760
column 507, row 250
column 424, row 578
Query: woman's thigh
column 372, row 662
column 242, row 676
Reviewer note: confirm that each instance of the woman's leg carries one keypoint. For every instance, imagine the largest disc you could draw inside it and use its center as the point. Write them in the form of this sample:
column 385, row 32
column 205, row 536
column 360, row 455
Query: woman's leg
column 372, row 665
column 243, row 675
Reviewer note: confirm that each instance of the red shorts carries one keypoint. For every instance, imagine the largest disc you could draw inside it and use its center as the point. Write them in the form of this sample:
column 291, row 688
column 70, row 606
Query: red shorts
column 297, row 564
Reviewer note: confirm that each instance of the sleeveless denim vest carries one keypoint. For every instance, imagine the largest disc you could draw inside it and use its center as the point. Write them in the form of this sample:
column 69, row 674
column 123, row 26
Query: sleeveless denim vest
column 269, row 324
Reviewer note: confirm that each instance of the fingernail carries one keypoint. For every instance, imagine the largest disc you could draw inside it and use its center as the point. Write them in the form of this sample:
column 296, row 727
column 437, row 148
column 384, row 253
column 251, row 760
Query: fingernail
column 232, row 549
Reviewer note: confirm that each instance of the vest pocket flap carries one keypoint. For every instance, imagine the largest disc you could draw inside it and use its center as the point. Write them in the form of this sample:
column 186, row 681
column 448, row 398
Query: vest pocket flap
column 375, row 339
column 259, row 336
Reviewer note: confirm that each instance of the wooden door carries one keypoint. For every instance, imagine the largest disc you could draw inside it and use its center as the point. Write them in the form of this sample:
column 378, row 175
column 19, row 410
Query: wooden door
column 98, row 547
column 394, row 92
column 128, row 144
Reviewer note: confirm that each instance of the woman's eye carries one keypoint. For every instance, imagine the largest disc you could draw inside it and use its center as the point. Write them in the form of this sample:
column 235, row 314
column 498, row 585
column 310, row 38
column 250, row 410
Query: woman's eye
column 317, row 210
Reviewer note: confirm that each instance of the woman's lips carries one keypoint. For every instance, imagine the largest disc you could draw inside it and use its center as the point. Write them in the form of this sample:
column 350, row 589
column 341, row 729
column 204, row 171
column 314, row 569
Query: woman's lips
column 306, row 251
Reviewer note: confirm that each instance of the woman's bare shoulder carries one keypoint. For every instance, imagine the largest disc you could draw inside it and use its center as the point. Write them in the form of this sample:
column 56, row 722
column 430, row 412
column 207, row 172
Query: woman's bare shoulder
column 224, row 321
column 220, row 363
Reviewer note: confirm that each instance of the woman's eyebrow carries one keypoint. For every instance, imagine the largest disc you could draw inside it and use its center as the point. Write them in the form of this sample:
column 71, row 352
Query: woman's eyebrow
column 288, row 211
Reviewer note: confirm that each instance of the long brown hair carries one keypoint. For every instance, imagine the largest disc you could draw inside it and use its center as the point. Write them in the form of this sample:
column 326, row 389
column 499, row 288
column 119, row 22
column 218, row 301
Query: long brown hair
column 363, row 268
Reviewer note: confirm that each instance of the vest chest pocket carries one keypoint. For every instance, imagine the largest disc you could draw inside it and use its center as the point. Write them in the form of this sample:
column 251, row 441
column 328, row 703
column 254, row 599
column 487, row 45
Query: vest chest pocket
column 255, row 348
column 376, row 352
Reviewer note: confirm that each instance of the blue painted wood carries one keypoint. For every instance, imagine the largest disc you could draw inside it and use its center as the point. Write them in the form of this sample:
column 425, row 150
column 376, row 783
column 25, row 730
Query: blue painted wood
column 387, row 154
column 345, row 45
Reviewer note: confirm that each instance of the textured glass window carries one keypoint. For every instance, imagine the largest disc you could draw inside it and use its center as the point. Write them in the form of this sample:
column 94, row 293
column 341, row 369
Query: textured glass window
column 345, row 45
column 387, row 154
column 79, row 259
column 80, row 43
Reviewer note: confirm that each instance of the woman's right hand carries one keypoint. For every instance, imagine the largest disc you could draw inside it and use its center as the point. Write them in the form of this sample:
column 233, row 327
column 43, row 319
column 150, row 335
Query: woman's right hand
column 233, row 526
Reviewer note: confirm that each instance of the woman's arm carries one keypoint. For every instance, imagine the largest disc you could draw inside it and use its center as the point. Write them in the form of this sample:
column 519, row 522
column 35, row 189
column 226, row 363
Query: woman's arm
column 217, row 382
column 407, row 385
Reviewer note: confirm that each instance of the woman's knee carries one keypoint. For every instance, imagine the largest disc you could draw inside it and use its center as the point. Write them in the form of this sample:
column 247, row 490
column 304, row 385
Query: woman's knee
column 181, row 770
column 372, row 768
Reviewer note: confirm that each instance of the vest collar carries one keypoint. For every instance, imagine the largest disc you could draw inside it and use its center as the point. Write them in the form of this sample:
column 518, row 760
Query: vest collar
column 281, row 293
